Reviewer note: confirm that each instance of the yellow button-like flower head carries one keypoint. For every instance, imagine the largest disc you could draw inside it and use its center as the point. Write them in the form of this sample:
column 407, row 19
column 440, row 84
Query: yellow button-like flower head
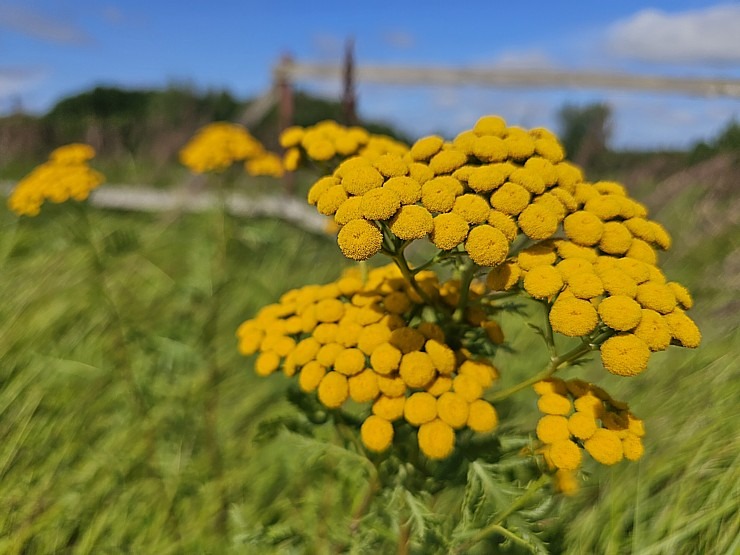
column 412, row 222
column 620, row 312
column 584, row 228
column 605, row 447
column 453, row 409
column 625, row 354
column 436, row 439
column 416, row 369
column 486, row 245
column 380, row 204
column 537, row 222
column 482, row 417
column 421, row 407
column 376, row 433
column 543, row 281
column 448, row 230
column 359, row 240
column 573, row 317
column 565, row 454
column 552, row 428
column 333, row 390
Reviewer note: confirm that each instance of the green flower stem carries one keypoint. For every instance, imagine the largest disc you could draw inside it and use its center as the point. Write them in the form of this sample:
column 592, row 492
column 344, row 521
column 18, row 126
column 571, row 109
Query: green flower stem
column 439, row 257
column 219, row 274
column 400, row 260
column 496, row 526
column 468, row 272
column 549, row 339
column 557, row 363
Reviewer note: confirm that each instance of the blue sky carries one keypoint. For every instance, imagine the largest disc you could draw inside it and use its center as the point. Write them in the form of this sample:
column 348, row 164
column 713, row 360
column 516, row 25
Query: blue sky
column 52, row 48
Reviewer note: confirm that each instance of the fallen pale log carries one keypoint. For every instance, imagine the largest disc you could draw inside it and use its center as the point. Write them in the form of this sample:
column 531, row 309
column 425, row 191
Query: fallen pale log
column 139, row 198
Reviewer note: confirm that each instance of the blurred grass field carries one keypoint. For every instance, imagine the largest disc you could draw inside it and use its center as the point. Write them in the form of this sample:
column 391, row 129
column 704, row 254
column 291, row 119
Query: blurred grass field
column 127, row 416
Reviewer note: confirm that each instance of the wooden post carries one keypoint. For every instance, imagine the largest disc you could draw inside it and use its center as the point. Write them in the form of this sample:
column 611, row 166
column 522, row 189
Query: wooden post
column 286, row 109
column 349, row 98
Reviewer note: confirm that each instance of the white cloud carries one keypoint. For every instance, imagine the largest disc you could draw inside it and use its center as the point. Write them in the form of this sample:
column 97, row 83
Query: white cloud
column 398, row 39
column 37, row 25
column 14, row 81
column 326, row 46
column 700, row 36
column 15, row 84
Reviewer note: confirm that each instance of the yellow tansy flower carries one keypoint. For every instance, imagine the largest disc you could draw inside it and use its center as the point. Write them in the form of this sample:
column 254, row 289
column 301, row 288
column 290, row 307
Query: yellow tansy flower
column 421, row 407
column 486, row 245
column 359, row 240
column 333, row 390
column 573, row 317
column 625, row 354
column 482, row 417
column 376, row 433
column 436, row 439
column 453, row 409
column 605, row 447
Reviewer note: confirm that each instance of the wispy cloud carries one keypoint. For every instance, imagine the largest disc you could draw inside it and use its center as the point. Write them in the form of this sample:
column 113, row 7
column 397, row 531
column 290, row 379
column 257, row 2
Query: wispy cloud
column 15, row 81
column 37, row 25
column 326, row 46
column 112, row 14
column 709, row 35
column 399, row 39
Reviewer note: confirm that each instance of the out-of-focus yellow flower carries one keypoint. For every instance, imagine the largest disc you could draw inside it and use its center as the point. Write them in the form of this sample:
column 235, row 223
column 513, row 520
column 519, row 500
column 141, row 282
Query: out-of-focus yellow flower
column 552, row 428
column 72, row 154
column 482, row 417
column 389, row 408
column 436, row 439
column 426, row 147
column 267, row 164
column 683, row 329
column 217, row 146
column 605, row 447
column 503, row 277
column 65, row 176
column 565, row 454
column 420, row 408
column 376, row 433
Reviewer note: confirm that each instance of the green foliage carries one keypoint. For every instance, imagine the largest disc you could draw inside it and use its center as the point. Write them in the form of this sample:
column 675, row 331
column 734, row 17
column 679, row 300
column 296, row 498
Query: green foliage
column 149, row 126
column 584, row 131
column 727, row 141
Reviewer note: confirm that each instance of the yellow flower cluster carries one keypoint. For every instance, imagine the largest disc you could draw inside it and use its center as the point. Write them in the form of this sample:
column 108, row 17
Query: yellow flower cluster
column 480, row 190
column 581, row 416
column 216, row 146
column 266, row 163
column 328, row 140
column 593, row 291
column 359, row 341
column 65, row 175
